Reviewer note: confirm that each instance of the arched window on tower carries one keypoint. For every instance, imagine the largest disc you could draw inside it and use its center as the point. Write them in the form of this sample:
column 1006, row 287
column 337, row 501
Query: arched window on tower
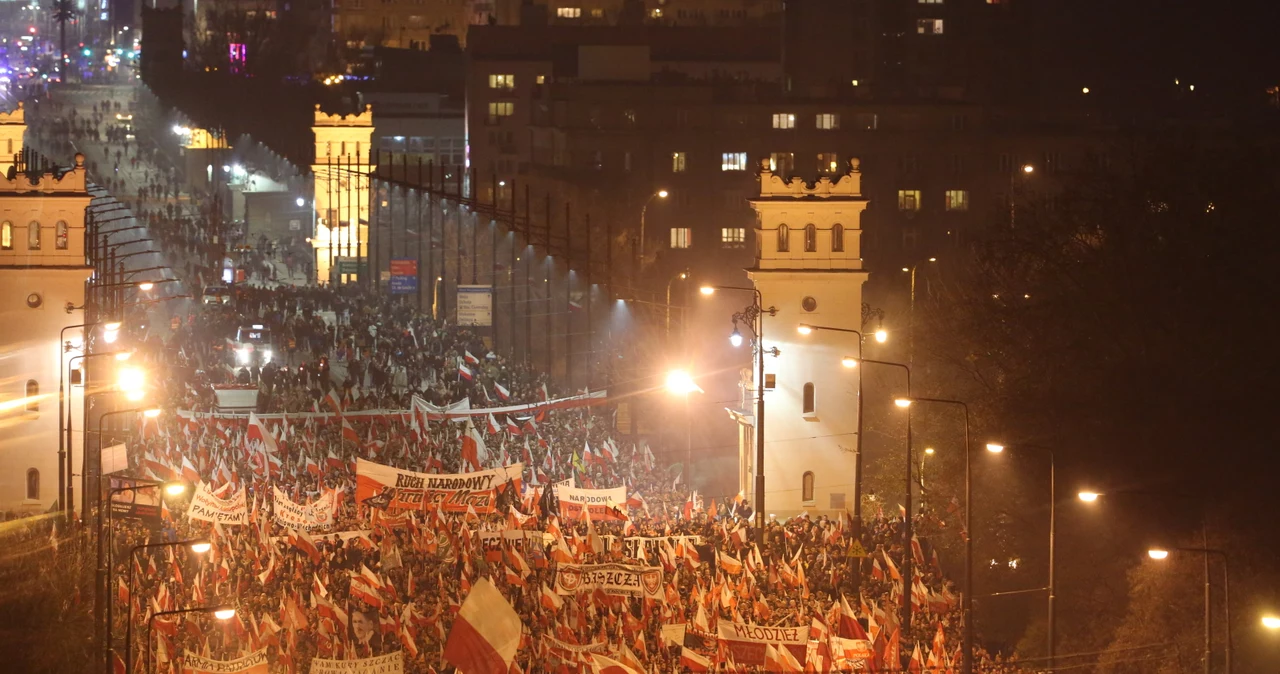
column 33, row 398
column 33, row 235
column 6, row 236
column 806, row 486
column 784, row 238
column 60, row 235
column 808, row 398
column 837, row 238
column 810, row 239
column 33, row 484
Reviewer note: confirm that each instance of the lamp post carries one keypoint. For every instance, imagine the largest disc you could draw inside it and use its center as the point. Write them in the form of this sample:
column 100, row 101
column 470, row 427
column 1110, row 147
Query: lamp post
column 197, row 546
column 64, row 414
column 682, row 276
column 219, row 612
column 1160, row 554
column 660, row 194
column 1053, row 530
column 806, row 329
column 753, row 316
column 1093, row 496
column 911, row 313
column 967, row 667
column 1024, row 170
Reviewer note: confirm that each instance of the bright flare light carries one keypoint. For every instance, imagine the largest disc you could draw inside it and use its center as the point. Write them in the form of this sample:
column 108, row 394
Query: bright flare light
column 849, row 362
column 146, row 285
column 151, row 413
column 130, row 379
column 707, row 290
column 110, row 332
column 902, row 402
column 201, row 547
column 124, row 355
column 224, row 613
column 882, row 336
column 662, row 194
column 1157, row 553
column 735, row 338
column 804, row 329
column 299, row 201
column 1271, row 622
column 1089, row 496
column 680, row 383
column 994, row 448
column 1028, row 168
column 174, row 488
column 928, row 450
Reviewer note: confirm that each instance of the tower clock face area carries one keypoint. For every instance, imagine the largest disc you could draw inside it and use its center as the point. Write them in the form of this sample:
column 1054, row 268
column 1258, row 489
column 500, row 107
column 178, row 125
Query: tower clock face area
column 809, row 267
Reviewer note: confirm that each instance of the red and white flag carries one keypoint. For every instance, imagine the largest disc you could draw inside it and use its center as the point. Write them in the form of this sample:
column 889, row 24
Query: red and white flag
column 474, row 453
column 502, row 391
column 693, row 662
column 485, row 634
column 464, row 372
column 603, row 665
column 472, row 360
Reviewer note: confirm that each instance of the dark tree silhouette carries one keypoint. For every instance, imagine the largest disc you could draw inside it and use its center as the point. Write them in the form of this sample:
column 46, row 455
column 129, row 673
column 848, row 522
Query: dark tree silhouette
column 63, row 11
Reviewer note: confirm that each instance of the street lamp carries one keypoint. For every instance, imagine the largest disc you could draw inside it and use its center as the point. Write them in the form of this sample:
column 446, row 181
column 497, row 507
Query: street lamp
column 682, row 276
column 1051, row 630
column 1089, row 496
column 1271, row 622
column 219, row 612
column 660, row 194
column 198, row 546
column 753, row 316
column 1161, row 554
column 851, row 362
column 967, row 611
column 911, row 313
column 64, row 463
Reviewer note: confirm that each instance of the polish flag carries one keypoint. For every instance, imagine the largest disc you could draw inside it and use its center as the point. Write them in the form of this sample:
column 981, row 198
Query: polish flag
column 473, row 449
column 485, row 634
column 493, row 425
column 189, row 472
column 513, row 429
column 258, row 431
column 780, row 659
column 542, row 392
column 550, row 600
column 602, row 665
column 464, row 372
column 332, row 400
column 349, row 432
column 472, row 360
column 693, row 662
column 502, row 391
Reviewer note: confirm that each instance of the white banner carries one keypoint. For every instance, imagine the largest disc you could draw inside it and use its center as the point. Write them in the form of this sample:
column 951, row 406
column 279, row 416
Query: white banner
column 390, row 488
column 391, row 663
column 309, row 516
column 760, row 634
column 603, row 504
column 209, row 508
column 638, row 581
column 254, row 663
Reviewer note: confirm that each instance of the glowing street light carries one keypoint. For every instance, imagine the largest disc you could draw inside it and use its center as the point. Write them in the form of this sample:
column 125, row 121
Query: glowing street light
column 1271, row 622
column 174, row 488
column 804, row 329
column 1089, row 496
column 882, row 336
column 146, row 285
column 1028, row 168
column 707, row 290
column 662, row 194
column 735, row 338
column 1158, row 553
column 151, row 413
column 201, row 547
column 110, row 332
column 680, row 383
column 994, row 448
column 225, row 613
column 849, row 362
column 902, row 402
column 929, row 451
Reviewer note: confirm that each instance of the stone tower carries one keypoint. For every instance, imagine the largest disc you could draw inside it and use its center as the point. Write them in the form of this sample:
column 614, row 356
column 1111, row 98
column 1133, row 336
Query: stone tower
column 809, row 267
column 341, row 169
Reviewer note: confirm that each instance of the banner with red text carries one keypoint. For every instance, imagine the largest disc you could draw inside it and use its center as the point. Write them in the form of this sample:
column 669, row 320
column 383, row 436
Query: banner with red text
column 626, row 579
column 851, row 654
column 391, row 663
column 603, row 504
column 209, row 508
column 746, row 642
column 315, row 515
column 390, row 488
column 254, row 663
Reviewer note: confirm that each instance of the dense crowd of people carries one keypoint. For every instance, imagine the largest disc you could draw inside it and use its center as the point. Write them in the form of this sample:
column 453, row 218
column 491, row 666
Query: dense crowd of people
column 356, row 376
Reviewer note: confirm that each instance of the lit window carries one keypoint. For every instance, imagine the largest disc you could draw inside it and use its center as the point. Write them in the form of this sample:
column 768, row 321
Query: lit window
column 33, row 397
column 828, row 162
column 828, row 122
column 810, row 239
column 502, row 81
column 783, row 120
column 809, row 405
column 908, row 200
column 33, row 235
column 680, row 237
column 806, row 486
column 733, row 237
column 540, row 79
column 597, row 13
column 782, row 162
column 784, row 238
column 6, row 236
column 33, row 484
column 569, row 12
column 957, row 200
column 656, row 13
column 498, row 110
column 837, row 238
column 60, row 235
column 733, row 161
column 929, row 26
column 678, row 162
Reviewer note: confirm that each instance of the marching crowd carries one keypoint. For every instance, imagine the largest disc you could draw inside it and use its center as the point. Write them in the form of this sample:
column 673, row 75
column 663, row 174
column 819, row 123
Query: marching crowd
column 357, row 376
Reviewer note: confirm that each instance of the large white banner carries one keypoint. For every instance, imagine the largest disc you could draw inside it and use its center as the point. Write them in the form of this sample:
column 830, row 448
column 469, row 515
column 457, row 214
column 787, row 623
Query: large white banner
column 308, row 516
column 636, row 581
column 391, row 488
column 603, row 504
column 747, row 642
column 254, row 663
column 391, row 663
column 209, row 508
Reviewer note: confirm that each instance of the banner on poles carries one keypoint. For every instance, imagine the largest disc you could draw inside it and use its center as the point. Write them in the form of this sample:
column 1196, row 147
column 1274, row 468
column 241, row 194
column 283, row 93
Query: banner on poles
column 254, row 663
column 136, row 504
column 746, row 642
column 388, row 488
column 391, row 663
column 851, row 654
column 209, row 508
column 309, row 516
column 603, row 504
column 624, row 579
